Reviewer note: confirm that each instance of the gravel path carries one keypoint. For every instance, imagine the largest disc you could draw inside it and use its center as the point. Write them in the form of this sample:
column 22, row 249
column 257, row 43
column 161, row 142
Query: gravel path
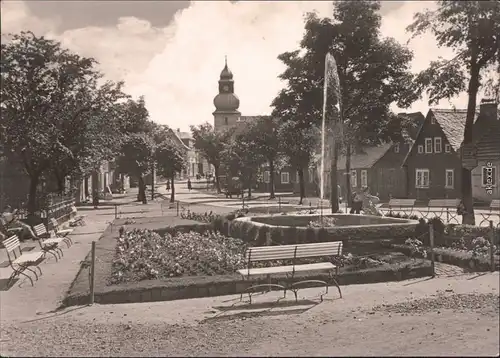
column 446, row 316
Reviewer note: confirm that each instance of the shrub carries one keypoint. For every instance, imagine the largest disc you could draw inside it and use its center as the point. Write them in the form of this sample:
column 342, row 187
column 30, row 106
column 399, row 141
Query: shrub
column 290, row 235
column 263, row 236
column 322, row 235
column 311, row 235
column 416, row 247
column 276, row 236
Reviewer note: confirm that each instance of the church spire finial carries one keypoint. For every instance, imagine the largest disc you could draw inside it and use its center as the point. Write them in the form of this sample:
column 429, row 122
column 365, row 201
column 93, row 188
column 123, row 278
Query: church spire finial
column 225, row 60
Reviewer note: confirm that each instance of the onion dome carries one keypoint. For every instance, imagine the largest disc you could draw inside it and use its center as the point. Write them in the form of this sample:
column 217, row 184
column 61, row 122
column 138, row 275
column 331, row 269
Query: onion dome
column 226, row 73
column 226, row 102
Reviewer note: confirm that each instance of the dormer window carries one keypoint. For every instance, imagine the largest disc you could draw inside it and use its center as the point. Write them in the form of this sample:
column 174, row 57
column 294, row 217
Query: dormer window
column 396, row 148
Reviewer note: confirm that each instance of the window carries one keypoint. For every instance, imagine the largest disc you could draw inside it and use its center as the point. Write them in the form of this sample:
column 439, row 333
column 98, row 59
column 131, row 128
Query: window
column 428, row 145
column 267, row 177
column 396, row 148
column 285, row 178
column 422, row 178
column 489, row 175
column 438, row 145
column 449, row 179
column 420, row 149
column 447, row 148
column 311, row 175
column 433, row 120
column 364, row 178
column 354, row 178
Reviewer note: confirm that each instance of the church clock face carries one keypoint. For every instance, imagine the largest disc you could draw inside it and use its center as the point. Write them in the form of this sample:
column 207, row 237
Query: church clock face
column 225, row 88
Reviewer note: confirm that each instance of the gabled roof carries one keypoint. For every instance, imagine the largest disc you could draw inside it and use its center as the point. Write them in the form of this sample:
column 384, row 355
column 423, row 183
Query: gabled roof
column 488, row 143
column 451, row 121
column 365, row 160
column 184, row 135
column 176, row 139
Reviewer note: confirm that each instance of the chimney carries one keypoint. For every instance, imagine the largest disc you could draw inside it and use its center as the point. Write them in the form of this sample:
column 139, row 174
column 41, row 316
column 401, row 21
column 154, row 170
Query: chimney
column 488, row 109
column 178, row 130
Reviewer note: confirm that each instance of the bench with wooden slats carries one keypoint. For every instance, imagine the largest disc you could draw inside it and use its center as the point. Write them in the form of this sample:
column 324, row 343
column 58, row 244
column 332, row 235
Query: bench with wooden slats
column 61, row 232
column 494, row 211
column 77, row 219
column 400, row 205
column 440, row 207
column 290, row 252
column 47, row 242
column 21, row 262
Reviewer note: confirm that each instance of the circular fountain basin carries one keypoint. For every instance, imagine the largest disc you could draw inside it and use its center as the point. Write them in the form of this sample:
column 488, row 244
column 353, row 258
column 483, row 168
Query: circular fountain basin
column 348, row 228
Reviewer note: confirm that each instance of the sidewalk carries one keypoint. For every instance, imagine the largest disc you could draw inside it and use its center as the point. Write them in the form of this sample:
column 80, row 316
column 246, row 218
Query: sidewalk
column 23, row 301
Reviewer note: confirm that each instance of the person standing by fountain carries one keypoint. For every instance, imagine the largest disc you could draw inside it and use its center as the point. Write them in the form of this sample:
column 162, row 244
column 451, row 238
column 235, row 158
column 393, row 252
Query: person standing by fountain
column 368, row 203
column 357, row 202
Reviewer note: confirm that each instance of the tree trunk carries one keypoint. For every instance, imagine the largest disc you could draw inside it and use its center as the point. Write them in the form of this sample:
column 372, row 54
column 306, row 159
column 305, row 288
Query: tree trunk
column 334, row 200
column 348, row 175
column 34, row 179
column 249, row 186
column 302, row 186
column 86, row 186
column 217, row 183
column 271, row 179
column 172, row 193
column 467, row 200
column 142, row 190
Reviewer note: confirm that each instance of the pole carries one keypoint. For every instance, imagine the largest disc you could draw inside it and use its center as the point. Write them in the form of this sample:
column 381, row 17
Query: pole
column 279, row 204
column 92, row 273
column 492, row 247
column 431, row 239
column 116, row 211
column 177, row 207
column 152, row 182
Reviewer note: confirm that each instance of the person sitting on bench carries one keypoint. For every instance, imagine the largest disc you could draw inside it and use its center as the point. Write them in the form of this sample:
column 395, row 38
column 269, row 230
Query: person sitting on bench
column 12, row 223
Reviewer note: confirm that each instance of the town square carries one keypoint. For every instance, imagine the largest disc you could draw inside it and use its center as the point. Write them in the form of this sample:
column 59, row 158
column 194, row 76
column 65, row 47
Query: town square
column 230, row 178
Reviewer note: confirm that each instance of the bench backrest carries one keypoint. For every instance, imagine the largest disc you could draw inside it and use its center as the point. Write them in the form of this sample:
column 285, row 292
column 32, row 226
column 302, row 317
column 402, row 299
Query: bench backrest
column 495, row 204
column 284, row 252
column 11, row 244
column 443, row 203
column 40, row 230
column 402, row 202
column 54, row 223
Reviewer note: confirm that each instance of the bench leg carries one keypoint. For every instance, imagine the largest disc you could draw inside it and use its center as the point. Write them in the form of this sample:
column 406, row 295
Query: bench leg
column 296, row 289
column 53, row 253
column 16, row 273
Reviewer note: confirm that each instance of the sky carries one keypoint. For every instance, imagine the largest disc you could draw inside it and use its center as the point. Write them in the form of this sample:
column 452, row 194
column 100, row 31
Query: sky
column 172, row 52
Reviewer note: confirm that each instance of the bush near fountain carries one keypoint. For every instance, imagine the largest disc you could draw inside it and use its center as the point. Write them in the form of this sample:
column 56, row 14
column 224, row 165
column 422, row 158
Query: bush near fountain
column 466, row 246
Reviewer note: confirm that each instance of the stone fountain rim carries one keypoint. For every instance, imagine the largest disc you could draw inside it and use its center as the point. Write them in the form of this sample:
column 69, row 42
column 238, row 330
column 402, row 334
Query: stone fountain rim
column 403, row 222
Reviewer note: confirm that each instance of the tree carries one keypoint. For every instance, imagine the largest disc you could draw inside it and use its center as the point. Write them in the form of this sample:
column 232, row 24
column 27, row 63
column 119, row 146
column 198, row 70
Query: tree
column 136, row 158
column 170, row 160
column 373, row 72
column 51, row 102
column 472, row 30
column 264, row 132
column 298, row 146
column 210, row 144
column 242, row 158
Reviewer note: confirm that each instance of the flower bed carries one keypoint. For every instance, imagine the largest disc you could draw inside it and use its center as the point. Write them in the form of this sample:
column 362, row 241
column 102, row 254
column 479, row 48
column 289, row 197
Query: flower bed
column 144, row 255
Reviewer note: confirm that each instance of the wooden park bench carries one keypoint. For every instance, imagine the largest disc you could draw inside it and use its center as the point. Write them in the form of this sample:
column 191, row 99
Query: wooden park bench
column 400, row 205
column 440, row 207
column 61, row 232
column 77, row 219
column 47, row 243
column 494, row 211
column 290, row 252
column 22, row 262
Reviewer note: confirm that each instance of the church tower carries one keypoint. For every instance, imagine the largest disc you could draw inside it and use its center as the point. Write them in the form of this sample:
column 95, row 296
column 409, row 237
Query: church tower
column 226, row 114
